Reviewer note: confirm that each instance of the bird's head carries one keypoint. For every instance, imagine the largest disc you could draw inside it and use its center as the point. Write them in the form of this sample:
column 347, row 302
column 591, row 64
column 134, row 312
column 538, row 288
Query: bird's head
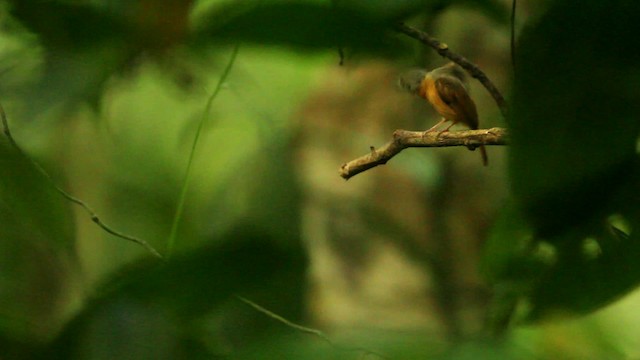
column 412, row 80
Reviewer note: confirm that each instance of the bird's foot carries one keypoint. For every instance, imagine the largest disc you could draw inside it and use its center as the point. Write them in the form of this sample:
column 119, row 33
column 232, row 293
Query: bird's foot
column 426, row 132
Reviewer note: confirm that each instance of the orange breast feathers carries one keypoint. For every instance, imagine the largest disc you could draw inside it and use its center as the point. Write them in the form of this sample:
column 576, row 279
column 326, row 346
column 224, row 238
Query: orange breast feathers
column 450, row 98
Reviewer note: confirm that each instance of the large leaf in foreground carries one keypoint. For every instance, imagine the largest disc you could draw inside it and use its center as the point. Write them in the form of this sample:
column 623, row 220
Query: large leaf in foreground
column 576, row 112
column 153, row 306
column 296, row 25
column 36, row 247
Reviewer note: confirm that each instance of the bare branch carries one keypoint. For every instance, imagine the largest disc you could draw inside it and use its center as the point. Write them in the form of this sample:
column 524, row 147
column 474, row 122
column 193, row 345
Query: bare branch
column 472, row 69
column 305, row 329
column 94, row 217
column 281, row 319
column 403, row 139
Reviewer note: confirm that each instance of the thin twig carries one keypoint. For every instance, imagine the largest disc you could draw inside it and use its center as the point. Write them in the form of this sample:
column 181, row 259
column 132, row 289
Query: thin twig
column 403, row 139
column 177, row 216
column 305, row 329
column 94, row 217
column 513, row 35
column 279, row 318
column 472, row 69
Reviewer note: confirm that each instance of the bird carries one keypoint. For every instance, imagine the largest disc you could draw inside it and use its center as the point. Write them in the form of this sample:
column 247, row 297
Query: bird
column 445, row 88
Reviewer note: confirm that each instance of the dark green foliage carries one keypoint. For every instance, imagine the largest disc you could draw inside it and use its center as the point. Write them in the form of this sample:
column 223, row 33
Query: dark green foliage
column 37, row 236
column 356, row 25
column 574, row 121
column 298, row 25
column 507, row 254
column 399, row 10
column 30, row 206
column 64, row 26
column 152, row 300
column 84, row 45
column 587, row 275
column 575, row 125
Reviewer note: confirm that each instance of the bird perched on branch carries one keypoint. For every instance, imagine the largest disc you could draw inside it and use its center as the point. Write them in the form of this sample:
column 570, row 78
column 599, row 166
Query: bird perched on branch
column 446, row 89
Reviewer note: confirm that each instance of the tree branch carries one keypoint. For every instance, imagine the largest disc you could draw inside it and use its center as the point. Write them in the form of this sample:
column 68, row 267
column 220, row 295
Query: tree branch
column 307, row 330
column 403, row 139
column 472, row 69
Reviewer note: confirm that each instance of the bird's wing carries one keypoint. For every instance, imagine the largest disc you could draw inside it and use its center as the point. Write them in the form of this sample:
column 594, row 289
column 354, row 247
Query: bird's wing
column 455, row 95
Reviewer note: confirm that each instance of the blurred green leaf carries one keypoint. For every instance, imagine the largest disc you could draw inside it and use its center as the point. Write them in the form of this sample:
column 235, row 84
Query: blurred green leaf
column 298, row 25
column 157, row 303
column 574, row 126
column 65, row 26
column 506, row 245
column 83, row 46
column 590, row 266
column 493, row 9
column 72, row 78
column 86, row 44
column 588, row 275
column 575, row 117
column 36, row 235
column 402, row 9
column 512, row 262
column 30, row 205
column 392, row 10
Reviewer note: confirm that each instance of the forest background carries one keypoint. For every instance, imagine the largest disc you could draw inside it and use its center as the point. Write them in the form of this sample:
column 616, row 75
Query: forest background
column 209, row 134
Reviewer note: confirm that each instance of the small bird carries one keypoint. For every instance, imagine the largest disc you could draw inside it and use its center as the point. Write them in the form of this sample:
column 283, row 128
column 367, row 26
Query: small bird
column 445, row 88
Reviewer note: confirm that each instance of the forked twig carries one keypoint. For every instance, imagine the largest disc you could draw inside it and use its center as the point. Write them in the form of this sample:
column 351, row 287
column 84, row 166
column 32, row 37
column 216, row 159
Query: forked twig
column 403, row 139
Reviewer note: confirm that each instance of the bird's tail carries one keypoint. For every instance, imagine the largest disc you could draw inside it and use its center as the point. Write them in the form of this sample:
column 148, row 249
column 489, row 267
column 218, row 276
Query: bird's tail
column 485, row 158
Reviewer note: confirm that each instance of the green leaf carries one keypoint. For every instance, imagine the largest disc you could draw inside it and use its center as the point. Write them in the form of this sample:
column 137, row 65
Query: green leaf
column 36, row 247
column 402, row 9
column 298, row 25
column 85, row 43
column 588, row 267
column 392, row 10
column 507, row 254
column 30, row 205
column 154, row 306
column 576, row 111
column 575, row 123
column 83, row 46
column 591, row 272
column 65, row 26
column 495, row 10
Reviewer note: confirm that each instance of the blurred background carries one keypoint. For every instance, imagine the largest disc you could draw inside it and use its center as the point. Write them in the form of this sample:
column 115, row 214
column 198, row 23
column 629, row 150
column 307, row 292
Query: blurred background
column 108, row 97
